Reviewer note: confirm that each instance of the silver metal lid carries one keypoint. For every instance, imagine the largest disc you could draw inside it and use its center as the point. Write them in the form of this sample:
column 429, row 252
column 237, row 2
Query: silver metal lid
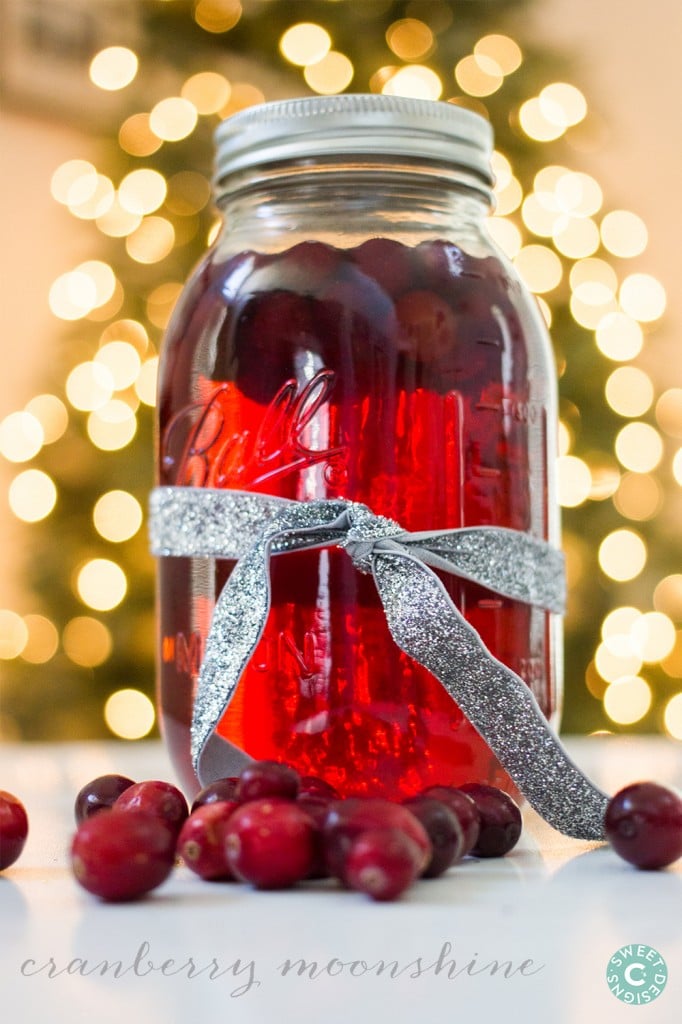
column 354, row 124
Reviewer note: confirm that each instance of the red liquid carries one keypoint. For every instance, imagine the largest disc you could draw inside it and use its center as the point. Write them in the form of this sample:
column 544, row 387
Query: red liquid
column 399, row 377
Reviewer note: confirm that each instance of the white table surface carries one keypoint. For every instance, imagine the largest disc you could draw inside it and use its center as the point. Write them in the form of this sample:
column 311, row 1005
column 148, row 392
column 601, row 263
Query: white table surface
column 565, row 905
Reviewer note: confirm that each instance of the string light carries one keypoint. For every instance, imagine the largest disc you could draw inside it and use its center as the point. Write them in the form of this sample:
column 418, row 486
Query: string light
column 129, row 714
column 629, row 391
column 32, row 495
column 415, row 80
column 52, row 415
column 113, row 68
column 21, row 436
column 101, row 584
column 332, row 74
column 627, row 700
column 624, row 234
column 639, row 447
column 117, row 516
column 642, row 297
column 622, row 555
column 305, row 43
column 619, row 336
column 410, row 39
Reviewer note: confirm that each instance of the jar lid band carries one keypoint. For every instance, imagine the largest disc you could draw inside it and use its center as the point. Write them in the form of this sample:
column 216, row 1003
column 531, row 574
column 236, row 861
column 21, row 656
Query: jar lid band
column 354, row 124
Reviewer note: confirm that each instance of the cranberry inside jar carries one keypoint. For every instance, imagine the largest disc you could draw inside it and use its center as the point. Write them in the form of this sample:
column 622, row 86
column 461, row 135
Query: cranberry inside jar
column 380, row 360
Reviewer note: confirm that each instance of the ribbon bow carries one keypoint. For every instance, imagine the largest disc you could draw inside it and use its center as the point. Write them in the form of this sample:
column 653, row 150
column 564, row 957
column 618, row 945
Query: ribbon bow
column 423, row 620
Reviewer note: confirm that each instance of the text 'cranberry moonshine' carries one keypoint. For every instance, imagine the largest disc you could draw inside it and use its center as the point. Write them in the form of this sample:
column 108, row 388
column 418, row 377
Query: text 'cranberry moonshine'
column 355, row 333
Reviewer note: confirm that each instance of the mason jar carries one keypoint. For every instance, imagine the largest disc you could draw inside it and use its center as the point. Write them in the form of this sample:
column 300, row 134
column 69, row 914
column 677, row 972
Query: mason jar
column 355, row 333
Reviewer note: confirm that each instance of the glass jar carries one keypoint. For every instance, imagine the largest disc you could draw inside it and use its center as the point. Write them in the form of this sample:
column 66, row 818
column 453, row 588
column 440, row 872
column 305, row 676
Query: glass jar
column 355, row 333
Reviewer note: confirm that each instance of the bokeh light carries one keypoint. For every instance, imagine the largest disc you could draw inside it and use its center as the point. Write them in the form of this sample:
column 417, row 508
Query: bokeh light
column 642, row 297
column 502, row 49
column 639, row 447
column 415, row 80
column 672, row 717
column 112, row 426
column 624, row 234
column 622, row 555
column 101, row 584
column 668, row 596
column 653, row 636
column 87, row 641
column 305, row 43
column 173, row 118
column 629, row 391
column 122, row 361
column 142, row 191
column 32, row 495
column 113, row 68
column 13, row 634
column 332, row 74
column 619, row 337
column 145, row 385
column 42, row 640
column 410, row 39
column 574, row 481
column 129, row 714
column 136, row 137
column 638, row 497
column 52, row 415
column 562, row 104
column 478, row 75
column 207, row 91
column 21, row 436
column 152, row 241
column 117, row 516
column 669, row 412
column 627, row 700
column 89, row 386
column 217, row 16
column 540, row 267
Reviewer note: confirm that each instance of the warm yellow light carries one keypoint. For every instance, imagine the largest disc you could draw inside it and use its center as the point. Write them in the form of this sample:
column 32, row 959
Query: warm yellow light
column 131, row 331
column 672, row 665
column 207, row 91
column 506, row 234
column 113, row 68
column 614, row 659
column 98, row 202
column 21, row 436
column 136, row 137
column 101, row 584
column 624, row 234
column 546, row 181
column 145, row 385
column 32, row 495
column 638, row 497
column 629, row 391
column 129, row 714
column 565, row 439
column 188, row 193
column 117, row 516
column 668, row 412
column 619, row 337
column 605, row 480
column 653, row 636
column 173, row 118
column 540, row 267
column 87, row 641
column 72, row 295
column 642, row 297
column 243, row 95
column 478, row 75
column 417, row 81
column 102, row 277
column 509, row 197
column 89, row 386
column 620, row 621
column 217, row 15
column 13, row 634
column 574, row 480
column 622, row 555
column 535, row 123
column 51, row 413
column 627, row 700
column 112, row 426
column 590, row 315
column 672, row 717
column 539, row 218
column 142, row 191
column 668, row 596
column 74, row 182
column 501, row 168
column 409, row 38
column 504, row 51
column 42, row 641
column 563, row 104
column 305, row 43
column 332, row 74
column 578, row 193
column 576, row 237
column 639, row 447
column 122, row 361
column 118, row 222
column 152, row 241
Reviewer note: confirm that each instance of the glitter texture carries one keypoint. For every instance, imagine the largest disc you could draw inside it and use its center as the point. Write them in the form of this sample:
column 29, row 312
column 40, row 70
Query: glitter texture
column 422, row 618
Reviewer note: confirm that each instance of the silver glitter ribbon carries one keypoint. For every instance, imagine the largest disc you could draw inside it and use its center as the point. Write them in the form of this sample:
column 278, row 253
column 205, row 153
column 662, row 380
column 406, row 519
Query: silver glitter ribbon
column 423, row 620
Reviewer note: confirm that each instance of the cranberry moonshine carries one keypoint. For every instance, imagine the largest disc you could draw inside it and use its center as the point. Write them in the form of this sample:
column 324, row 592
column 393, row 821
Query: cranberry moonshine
column 355, row 333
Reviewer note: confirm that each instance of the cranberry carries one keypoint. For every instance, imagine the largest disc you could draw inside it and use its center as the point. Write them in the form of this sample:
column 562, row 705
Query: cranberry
column 500, row 820
column 13, row 828
column 348, row 818
column 318, row 809
column 267, row 778
column 643, row 823
column 312, row 786
column 464, row 809
column 382, row 862
column 439, row 264
column 201, row 842
column 99, row 795
column 388, row 262
column 270, row 843
column 428, row 326
column 444, row 832
column 162, row 799
column 219, row 790
column 122, row 855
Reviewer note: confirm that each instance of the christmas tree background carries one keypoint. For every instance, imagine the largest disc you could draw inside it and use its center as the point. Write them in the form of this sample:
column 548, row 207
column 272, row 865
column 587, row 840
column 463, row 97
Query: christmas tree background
column 151, row 80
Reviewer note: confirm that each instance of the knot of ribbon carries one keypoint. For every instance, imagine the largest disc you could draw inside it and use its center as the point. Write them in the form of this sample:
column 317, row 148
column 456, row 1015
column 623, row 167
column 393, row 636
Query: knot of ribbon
column 423, row 620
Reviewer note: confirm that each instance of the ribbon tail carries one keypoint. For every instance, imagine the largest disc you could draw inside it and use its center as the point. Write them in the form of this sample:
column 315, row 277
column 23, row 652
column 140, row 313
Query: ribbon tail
column 426, row 625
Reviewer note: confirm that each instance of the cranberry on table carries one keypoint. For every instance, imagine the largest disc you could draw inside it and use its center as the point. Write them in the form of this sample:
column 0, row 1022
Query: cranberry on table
column 444, row 831
column 500, row 820
column 270, row 843
column 267, row 778
column 201, row 842
column 122, row 855
column 154, row 796
column 13, row 828
column 217, row 791
column 99, row 795
column 464, row 809
column 382, row 862
column 643, row 823
column 346, row 819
